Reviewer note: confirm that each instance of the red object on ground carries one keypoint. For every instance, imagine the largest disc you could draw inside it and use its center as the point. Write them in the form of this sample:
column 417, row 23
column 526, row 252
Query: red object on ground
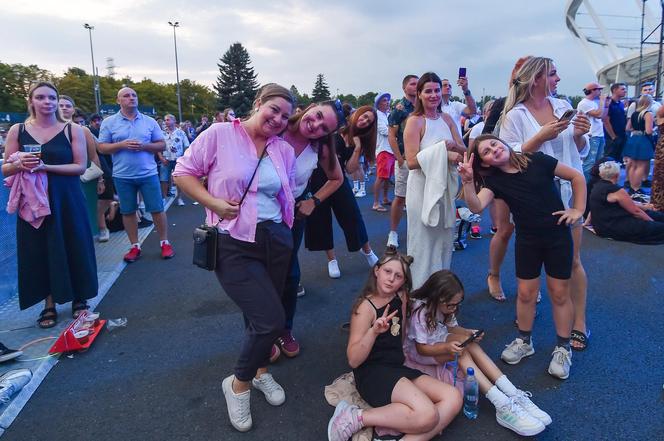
column 66, row 342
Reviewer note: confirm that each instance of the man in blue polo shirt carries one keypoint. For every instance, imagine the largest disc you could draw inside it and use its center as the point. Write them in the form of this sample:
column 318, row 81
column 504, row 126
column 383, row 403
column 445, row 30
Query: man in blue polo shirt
column 133, row 139
column 615, row 122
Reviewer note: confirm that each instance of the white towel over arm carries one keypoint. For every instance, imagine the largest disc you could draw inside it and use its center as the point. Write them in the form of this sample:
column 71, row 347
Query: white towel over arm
column 441, row 186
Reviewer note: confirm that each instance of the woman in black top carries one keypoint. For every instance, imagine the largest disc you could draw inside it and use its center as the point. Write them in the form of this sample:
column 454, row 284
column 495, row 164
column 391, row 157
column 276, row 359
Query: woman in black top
column 526, row 182
column 617, row 216
column 640, row 146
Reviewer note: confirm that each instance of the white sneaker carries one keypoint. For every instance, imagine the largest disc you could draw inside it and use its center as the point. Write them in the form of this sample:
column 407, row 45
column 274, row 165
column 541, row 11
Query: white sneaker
column 239, row 410
column 194, row 203
column 300, row 290
column 372, row 259
column 515, row 418
column 11, row 383
column 274, row 393
column 333, row 269
column 393, row 239
column 360, row 193
column 104, row 235
column 516, row 350
column 180, row 202
column 522, row 398
column 560, row 363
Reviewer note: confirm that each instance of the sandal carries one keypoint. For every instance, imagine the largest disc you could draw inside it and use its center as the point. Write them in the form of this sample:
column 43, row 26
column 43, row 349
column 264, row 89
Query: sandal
column 580, row 338
column 387, row 202
column 379, row 208
column 77, row 307
column 498, row 296
column 47, row 318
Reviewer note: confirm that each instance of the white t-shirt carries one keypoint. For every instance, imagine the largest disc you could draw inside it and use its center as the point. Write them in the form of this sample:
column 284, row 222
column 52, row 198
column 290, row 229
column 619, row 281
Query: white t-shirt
column 455, row 110
column 382, row 144
column 596, row 124
column 476, row 130
column 305, row 164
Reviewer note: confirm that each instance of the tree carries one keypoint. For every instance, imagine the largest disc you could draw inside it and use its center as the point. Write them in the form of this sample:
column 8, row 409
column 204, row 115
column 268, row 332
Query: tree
column 350, row 99
column 367, row 99
column 301, row 100
column 321, row 92
column 236, row 84
column 16, row 80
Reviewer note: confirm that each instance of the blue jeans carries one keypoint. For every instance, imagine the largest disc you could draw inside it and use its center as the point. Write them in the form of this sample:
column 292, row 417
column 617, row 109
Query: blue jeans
column 289, row 296
column 596, row 153
column 128, row 193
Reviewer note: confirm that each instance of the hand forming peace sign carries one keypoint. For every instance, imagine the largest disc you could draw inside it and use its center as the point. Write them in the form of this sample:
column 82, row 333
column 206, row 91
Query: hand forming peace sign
column 382, row 323
column 466, row 168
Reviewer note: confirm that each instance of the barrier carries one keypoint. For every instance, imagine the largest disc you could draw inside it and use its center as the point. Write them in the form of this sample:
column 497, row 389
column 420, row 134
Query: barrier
column 8, row 263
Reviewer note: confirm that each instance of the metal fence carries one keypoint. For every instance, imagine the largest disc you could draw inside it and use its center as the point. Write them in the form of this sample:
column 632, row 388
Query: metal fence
column 8, row 268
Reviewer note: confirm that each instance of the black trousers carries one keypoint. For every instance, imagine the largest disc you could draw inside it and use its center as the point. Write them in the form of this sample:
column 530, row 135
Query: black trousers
column 253, row 275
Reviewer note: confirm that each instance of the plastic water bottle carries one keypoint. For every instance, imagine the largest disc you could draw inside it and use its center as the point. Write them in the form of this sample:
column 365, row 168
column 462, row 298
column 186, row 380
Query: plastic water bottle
column 471, row 395
column 6, row 394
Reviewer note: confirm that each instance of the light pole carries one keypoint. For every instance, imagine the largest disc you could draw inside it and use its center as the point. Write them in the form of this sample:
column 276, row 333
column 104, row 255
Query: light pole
column 95, row 84
column 177, row 71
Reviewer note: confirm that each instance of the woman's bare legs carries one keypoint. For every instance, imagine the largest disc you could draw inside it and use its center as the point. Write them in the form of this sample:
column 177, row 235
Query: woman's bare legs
column 498, row 247
column 578, row 286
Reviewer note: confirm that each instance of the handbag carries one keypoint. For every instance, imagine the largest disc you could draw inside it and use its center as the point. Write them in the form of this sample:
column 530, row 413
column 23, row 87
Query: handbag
column 92, row 173
column 206, row 237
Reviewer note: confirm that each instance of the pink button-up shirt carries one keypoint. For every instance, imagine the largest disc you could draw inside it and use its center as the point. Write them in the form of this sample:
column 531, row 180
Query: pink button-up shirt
column 227, row 156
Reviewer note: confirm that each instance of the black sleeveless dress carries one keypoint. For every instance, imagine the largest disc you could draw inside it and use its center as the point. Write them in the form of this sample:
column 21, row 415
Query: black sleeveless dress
column 376, row 377
column 58, row 258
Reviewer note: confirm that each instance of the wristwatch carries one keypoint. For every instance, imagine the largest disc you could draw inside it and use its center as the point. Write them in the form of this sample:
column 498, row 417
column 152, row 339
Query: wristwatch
column 316, row 201
column 466, row 92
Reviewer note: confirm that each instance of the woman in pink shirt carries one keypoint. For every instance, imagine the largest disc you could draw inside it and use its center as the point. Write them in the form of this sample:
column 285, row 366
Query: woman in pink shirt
column 255, row 245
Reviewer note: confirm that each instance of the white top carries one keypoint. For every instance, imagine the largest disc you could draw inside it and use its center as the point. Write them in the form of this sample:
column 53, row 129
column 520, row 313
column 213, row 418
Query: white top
column 269, row 185
column 596, row 124
column 654, row 107
column 519, row 125
column 476, row 130
column 305, row 164
column 455, row 110
column 382, row 144
column 176, row 143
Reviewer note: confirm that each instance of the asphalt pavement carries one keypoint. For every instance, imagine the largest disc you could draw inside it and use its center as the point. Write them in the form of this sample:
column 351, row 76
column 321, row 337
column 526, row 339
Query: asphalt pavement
column 160, row 377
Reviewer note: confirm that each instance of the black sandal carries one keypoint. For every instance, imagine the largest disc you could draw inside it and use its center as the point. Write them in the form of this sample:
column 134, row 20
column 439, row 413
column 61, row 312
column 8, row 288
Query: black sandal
column 581, row 338
column 47, row 318
column 78, row 307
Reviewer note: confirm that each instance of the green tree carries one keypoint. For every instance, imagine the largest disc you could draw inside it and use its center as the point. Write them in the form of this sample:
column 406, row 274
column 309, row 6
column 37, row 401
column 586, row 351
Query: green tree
column 236, row 84
column 321, row 92
column 16, row 80
column 367, row 99
column 350, row 99
column 196, row 100
column 78, row 85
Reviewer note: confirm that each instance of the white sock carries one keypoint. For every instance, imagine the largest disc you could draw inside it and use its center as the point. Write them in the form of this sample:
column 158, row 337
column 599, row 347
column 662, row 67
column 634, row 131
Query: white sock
column 136, row 245
column 162, row 242
column 496, row 397
column 356, row 185
column 362, row 186
column 506, row 386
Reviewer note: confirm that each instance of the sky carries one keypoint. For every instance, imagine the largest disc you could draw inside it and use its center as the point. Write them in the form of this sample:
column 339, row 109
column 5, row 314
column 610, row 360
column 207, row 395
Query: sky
column 358, row 45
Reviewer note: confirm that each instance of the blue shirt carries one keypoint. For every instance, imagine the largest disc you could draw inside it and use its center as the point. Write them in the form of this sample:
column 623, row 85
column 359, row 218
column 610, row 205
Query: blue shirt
column 616, row 115
column 129, row 164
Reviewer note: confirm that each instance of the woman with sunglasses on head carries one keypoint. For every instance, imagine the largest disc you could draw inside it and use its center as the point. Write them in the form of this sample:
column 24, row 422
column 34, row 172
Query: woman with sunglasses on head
column 356, row 138
column 248, row 158
column 433, row 147
column 533, row 120
column 310, row 133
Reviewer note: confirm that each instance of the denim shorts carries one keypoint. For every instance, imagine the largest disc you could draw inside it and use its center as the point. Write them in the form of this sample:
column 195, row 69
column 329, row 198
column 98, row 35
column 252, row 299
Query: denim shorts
column 166, row 170
column 127, row 190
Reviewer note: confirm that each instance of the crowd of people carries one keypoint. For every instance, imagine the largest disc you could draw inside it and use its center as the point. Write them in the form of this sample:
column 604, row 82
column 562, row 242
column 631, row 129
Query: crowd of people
column 274, row 179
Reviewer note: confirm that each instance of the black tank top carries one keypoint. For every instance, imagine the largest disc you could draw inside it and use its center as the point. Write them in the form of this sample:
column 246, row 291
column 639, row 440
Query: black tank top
column 388, row 347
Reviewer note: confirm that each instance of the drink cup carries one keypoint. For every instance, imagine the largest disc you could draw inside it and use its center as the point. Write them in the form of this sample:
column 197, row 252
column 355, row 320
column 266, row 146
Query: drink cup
column 82, row 336
column 34, row 149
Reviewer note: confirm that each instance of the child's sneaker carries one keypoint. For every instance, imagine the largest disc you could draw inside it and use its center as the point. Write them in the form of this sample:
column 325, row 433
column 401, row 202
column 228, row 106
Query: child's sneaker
column 560, row 363
column 516, row 350
column 515, row 418
column 522, row 398
column 344, row 423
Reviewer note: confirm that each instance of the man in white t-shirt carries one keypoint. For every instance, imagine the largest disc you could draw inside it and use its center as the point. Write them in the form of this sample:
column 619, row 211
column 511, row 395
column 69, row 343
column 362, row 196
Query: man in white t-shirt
column 456, row 108
column 384, row 154
column 594, row 105
column 647, row 88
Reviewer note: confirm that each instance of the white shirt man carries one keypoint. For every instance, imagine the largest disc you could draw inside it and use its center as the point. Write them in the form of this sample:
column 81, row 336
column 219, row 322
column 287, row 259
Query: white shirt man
column 594, row 106
column 384, row 155
column 646, row 89
column 456, row 109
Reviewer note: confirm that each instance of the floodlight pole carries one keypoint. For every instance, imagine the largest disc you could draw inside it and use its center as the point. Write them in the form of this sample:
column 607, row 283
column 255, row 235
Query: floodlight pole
column 177, row 70
column 95, row 84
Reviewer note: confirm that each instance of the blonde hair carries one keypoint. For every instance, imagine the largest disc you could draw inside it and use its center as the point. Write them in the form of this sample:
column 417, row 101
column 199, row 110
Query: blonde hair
column 643, row 105
column 609, row 170
column 522, row 84
column 32, row 115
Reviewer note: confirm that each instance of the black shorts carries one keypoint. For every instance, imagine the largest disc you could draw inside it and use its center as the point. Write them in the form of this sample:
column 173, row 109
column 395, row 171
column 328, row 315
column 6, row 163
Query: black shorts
column 109, row 190
column 552, row 247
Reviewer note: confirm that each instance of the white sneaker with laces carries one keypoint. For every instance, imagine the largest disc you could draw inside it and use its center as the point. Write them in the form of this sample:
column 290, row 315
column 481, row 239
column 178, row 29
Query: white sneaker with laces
column 274, row 393
column 560, row 363
column 360, row 193
column 180, row 202
column 516, row 350
column 371, row 257
column 104, row 235
column 393, row 239
column 333, row 269
column 515, row 418
column 239, row 410
column 522, row 398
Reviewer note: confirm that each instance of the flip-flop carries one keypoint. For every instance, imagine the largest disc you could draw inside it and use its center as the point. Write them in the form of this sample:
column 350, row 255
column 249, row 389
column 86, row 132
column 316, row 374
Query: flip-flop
column 379, row 208
column 581, row 338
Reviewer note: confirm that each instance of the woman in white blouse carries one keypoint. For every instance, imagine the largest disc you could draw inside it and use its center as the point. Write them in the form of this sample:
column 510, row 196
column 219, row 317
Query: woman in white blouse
column 532, row 121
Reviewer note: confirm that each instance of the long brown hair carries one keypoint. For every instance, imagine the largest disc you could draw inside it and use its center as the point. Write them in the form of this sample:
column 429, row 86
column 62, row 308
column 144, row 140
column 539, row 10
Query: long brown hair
column 517, row 160
column 326, row 141
column 439, row 288
column 370, row 288
column 31, row 110
column 367, row 135
column 428, row 77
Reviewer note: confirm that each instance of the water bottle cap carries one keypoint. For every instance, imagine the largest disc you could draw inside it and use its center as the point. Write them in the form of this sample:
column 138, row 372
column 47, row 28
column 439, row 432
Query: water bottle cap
column 470, row 371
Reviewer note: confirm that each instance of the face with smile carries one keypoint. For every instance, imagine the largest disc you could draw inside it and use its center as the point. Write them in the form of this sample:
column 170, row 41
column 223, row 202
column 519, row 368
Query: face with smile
column 317, row 122
column 493, row 152
column 66, row 108
column 365, row 120
column 389, row 277
column 44, row 100
column 272, row 116
column 431, row 96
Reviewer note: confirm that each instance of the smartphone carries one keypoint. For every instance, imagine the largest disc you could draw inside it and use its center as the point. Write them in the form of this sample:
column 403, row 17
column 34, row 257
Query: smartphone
column 462, row 72
column 568, row 115
column 472, row 338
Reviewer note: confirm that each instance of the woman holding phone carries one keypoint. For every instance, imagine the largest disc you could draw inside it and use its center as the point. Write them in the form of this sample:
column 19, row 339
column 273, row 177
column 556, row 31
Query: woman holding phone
column 533, row 120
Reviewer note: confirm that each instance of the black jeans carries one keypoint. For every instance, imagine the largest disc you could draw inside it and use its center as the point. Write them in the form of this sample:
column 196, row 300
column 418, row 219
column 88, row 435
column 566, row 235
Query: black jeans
column 253, row 276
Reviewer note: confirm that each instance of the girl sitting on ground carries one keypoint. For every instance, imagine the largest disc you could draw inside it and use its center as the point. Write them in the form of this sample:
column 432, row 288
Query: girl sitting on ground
column 434, row 337
column 403, row 399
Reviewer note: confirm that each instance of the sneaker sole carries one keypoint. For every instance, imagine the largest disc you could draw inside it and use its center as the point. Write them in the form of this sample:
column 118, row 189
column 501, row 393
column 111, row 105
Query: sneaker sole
column 532, row 432
column 340, row 408
column 556, row 376
column 168, row 257
column 290, row 354
column 527, row 354
column 227, row 389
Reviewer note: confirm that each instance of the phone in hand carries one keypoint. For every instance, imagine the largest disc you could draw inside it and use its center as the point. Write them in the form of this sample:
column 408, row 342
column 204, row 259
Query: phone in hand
column 462, row 72
column 568, row 115
column 472, row 338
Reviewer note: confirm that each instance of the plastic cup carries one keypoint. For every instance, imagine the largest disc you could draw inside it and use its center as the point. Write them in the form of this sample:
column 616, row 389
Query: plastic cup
column 34, row 149
column 82, row 336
